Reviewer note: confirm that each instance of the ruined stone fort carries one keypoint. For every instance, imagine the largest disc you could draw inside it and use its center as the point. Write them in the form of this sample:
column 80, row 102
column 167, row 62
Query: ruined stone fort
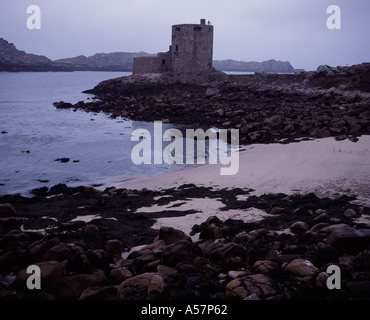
column 190, row 52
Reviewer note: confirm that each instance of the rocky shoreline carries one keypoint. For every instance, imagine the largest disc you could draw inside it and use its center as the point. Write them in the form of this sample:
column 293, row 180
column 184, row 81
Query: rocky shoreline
column 85, row 240
column 80, row 238
column 264, row 107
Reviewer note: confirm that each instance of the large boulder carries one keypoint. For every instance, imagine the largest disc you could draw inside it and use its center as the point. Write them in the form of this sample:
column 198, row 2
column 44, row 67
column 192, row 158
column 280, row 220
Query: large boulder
column 301, row 269
column 299, row 227
column 261, row 285
column 121, row 274
column 146, row 286
column 328, row 70
column 58, row 252
column 218, row 251
column 144, row 260
column 39, row 247
column 113, row 248
column 265, row 267
column 179, row 252
column 349, row 240
column 170, row 235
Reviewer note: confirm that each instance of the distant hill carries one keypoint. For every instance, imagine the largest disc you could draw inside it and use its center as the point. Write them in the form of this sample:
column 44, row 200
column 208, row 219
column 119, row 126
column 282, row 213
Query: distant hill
column 270, row 66
column 12, row 59
column 123, row 61
column 116, row 61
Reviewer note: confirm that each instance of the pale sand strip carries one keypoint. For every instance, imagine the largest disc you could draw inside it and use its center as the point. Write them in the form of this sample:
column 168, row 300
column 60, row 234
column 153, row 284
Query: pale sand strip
column 323, row 166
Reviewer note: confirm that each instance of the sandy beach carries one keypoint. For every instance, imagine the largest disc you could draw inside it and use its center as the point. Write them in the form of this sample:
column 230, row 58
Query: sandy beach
column 323, row 166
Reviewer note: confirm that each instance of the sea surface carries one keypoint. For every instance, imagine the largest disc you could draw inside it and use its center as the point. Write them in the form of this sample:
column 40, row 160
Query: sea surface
column 34, row 134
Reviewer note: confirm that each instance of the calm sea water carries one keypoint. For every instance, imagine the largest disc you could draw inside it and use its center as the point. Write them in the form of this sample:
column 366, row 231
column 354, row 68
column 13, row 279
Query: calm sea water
column 35, row 134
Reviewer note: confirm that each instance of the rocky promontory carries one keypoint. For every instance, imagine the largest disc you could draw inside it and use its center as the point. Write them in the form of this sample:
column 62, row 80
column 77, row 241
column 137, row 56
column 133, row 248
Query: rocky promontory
column 265, row 107
column 12, row 59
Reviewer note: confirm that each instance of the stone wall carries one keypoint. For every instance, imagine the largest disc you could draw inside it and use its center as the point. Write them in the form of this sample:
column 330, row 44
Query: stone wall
column 165, row 59
column 147, row 65
column 161, row 63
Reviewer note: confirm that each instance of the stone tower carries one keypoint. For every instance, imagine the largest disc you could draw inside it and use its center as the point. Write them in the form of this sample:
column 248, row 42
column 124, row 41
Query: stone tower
column 192, row 48
column 191, row 52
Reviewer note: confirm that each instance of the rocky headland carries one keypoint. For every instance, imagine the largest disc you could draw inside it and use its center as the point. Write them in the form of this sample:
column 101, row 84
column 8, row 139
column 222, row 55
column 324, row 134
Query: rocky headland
column 12, row 59
column 265, row 107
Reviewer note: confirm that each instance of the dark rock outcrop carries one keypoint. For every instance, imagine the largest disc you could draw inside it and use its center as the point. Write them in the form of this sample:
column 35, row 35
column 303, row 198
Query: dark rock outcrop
column 266, row 108
column 258, row 260
column 355, row 77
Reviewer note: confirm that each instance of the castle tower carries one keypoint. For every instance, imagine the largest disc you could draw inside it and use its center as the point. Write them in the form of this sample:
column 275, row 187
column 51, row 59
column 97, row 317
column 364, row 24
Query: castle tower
column 191, row 52
column 192, row 48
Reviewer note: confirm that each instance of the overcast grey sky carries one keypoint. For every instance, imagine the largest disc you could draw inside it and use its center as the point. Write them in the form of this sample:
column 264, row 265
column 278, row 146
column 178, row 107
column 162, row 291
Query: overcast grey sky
column 248, row 30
